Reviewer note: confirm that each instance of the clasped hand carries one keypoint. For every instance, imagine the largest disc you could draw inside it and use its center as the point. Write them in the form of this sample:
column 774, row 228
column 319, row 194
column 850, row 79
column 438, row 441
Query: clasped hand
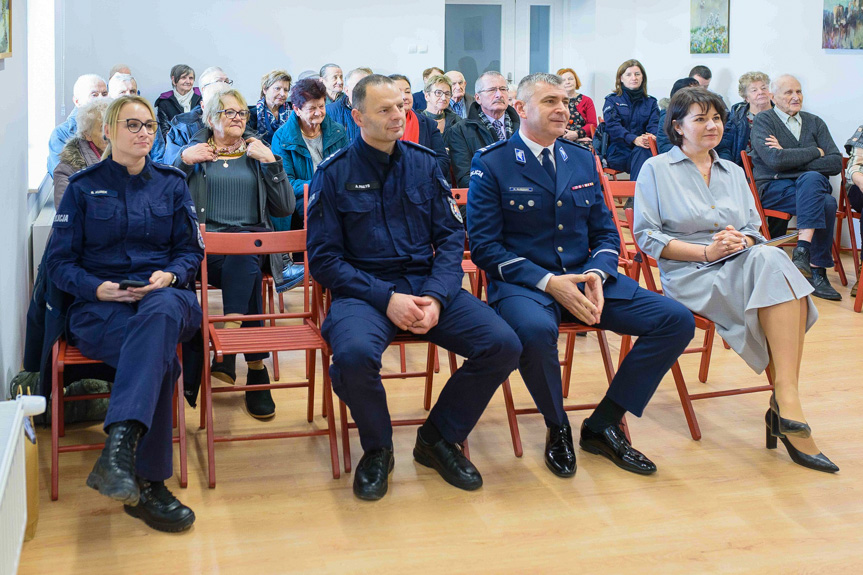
column 726, row 242
column 416, row 314
column 587, row 306
column 110, row 291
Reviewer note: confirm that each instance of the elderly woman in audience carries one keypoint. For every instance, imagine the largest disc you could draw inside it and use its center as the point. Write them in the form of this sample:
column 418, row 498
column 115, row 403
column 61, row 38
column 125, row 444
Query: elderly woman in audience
column 182, row 98
column 128, row 219
column 438, row 91
column 87, row 87
column 754, row 88
column 663, row 144
column 420, row 96
column 84, row 149
column 582, row 113
column 304, row 140
column 631, row 119
column 237, row 184
column 419, row 128
column 691, row 207
column 273, row 109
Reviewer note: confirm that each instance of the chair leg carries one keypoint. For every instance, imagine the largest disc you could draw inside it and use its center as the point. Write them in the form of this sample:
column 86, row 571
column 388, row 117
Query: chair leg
column 402, row 358
column 838, row 266
column 725, row 344
column 858, row 301
column 705, row 355
column 56, row 415
column 436, row 361
column 310, row 362
column 331, row 423
column 346, row 439
column 567, row 362
column 685, row 402
column 432, row 356
column 180, row 413
column 511, row 419
column 211, row 451
column 205, row 377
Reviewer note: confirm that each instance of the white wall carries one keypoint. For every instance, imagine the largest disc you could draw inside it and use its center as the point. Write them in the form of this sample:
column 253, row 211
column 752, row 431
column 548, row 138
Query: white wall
column 246, row 39
column 13, row 191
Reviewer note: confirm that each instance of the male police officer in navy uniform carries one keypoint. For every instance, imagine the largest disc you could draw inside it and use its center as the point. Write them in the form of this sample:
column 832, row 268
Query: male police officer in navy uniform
column 386, row 237
column 538, row 226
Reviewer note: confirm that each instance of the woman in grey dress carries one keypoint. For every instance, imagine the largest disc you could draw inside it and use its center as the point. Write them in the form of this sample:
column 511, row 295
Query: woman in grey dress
column 693, row 207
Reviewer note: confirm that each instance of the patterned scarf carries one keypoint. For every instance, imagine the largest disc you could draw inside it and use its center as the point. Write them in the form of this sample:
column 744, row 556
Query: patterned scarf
column 267, row 122
column 507, row 125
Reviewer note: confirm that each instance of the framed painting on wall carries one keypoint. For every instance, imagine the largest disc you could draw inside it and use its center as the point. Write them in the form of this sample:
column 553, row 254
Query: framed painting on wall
column 5, row 28
column 842, row 25
column 708, row 26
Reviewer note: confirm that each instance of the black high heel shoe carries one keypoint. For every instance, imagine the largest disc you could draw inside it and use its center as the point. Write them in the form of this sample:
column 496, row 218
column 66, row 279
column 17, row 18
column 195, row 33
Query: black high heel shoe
column 818, row 462
column 789, row 426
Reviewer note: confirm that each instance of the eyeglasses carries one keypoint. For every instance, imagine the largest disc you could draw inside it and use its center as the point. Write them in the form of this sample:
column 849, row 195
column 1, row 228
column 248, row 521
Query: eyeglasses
column 227, row 81
column 439, row 93
column 231, row 114
column 491, row 91
column 135, row 126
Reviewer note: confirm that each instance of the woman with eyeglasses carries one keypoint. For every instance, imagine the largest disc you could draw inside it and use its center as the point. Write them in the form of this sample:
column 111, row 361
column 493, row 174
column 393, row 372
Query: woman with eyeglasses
column 273, row 109
column 125, row 245
column 438, row 91
column 237, row 185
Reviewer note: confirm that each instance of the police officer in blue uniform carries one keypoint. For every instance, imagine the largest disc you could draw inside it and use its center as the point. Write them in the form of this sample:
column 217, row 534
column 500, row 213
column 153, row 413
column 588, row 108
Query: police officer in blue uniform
column 386, row 237
column 539, row 228
column 130, row 219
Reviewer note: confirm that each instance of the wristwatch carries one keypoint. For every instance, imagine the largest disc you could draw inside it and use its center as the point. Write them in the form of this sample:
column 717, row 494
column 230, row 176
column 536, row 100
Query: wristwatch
column 173, row 281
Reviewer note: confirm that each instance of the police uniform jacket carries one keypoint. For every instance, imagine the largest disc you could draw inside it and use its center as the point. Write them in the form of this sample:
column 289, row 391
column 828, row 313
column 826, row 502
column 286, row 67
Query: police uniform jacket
column 523, row 226
column 625, row 120
column 378, row 222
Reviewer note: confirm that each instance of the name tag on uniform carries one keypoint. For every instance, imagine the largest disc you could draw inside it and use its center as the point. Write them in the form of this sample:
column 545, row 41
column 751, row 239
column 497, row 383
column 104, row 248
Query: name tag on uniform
column 579, row 186
column 521, row 189
column 519, row 156
column 362, row 187
column 111, row 193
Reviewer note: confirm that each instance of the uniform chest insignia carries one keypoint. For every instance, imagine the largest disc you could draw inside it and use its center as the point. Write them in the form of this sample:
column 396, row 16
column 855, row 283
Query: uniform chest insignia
column 519, row 156
column 521, row 189
column 563, row 154
column 579, row 186
column 363, row 186
column 453, row 207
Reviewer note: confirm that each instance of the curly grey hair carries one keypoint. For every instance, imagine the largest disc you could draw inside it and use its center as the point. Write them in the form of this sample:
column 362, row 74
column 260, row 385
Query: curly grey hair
column 91, row 115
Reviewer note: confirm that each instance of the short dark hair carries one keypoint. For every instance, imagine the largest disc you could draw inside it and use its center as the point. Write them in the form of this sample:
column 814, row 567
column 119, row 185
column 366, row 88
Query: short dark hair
column 179, row 71
column 702, row 71
column 395, row 77
column 428, row 72
column 681, row 84
column 358, row 96
column 307, row 89
column 679, row 107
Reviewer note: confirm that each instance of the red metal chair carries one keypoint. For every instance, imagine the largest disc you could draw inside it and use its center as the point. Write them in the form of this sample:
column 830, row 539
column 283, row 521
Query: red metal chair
column 64, row 354
column 303, row 336
column 686, row 398
column 845, row 213
column 653, row 149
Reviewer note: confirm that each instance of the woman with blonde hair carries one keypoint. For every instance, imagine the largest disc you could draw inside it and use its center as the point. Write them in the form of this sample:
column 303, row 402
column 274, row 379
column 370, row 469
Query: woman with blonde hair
column 273, row 108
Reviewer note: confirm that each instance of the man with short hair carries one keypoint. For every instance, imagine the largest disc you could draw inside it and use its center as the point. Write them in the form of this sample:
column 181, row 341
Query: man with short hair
column 119, row 69
column 333, row 79
column 341, row 110
column 185, row 126
column 385, row 237
column 490, row 119
column 702, row 74
column 460, row 101
column 793, row 155
column 87, row 88
column 420, row 103
column 539, row 228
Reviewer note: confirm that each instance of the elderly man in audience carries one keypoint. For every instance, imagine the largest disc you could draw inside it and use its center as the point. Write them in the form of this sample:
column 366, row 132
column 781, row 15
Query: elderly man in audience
column 754, row 88
column 793, row 154
column 182, row 98
column 420, row 97
column 461, row 101
column 333, row 78
column 122, row 84
column 341, row 109
column 87, row 87
column 420, row 129
column 185, row 126
column 491, row 119
column 119, row 69
column 84, row 149
column 273, row 108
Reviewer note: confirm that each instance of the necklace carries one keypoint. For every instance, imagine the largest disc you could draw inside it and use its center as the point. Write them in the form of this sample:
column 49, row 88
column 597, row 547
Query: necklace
column 235, row 150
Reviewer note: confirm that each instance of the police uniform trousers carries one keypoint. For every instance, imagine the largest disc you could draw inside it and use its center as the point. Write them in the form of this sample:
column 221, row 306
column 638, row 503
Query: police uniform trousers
column 140, row 341
column 664, row 328
column 627, row 158
column 809, row 197
column 239, row 277
column 358, row 334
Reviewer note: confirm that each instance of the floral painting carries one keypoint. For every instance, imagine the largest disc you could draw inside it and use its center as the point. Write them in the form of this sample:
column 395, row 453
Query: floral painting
column 708, row 28
column 5, row 29
column 842, row 25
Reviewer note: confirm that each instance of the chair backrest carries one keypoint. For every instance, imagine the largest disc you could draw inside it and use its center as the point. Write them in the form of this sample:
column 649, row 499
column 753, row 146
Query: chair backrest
column 653, row 149
column 646, row 262
column 460, row 196
column 750, row 179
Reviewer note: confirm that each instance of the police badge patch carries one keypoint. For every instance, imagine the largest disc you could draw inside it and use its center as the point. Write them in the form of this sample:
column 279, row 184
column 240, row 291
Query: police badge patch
column 453, row 207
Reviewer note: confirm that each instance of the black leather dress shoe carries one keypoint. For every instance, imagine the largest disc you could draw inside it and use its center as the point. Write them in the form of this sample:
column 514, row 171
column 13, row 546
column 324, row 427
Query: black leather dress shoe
column 371, row 478
column 559, row 451
column 822, row 286
column 225, row 370
column 800, row 259
column 611, row 442
column 159, row 509
column 113, row 474
column 259, row 403
column 448, row 460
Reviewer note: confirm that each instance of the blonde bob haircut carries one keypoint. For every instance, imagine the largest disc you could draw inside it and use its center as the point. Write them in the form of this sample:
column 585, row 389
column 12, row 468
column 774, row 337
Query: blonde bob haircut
column 271, row 78
column 214, row 105
column 111, row 120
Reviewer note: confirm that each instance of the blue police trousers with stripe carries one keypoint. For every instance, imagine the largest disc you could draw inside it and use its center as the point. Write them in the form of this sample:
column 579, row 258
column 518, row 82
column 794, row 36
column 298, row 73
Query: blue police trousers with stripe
column 358, row 334
column 140, row 341
column 664, row 328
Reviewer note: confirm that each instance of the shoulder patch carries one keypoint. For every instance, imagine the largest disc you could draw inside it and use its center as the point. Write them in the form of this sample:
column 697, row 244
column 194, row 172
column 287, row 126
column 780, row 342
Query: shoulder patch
column 62, row 220
column 491, row 147
column 332, row 157
column 418, row 147
column 168, row 169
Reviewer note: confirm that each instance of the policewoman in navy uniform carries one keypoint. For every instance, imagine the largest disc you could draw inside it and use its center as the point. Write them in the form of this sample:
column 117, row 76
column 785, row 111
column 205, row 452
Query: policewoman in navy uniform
column 386, row 237
column 130, row 219
column 539, row 228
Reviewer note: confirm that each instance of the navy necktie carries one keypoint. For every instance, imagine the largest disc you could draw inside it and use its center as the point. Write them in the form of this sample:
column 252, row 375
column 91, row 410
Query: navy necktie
column 547, row 165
